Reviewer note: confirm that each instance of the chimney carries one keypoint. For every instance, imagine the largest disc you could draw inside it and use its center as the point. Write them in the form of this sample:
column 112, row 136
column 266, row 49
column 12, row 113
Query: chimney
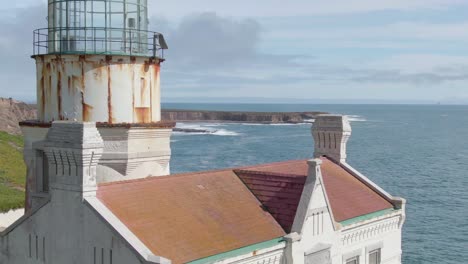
column 331, row 134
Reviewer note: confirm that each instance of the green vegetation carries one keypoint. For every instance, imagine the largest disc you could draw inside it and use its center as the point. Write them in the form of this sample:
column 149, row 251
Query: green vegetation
column 12, row 172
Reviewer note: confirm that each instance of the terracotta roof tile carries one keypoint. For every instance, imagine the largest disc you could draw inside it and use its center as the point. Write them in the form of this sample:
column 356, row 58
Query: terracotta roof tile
column 279, row 194
column 279, row 187
column 348, row 196
column 192, row 216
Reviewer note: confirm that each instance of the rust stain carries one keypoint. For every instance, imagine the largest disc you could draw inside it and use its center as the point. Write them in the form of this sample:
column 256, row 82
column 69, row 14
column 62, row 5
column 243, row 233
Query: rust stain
column 83, row 88
column 43, row 96
column 143, row 114
column 87, row 109
column 109, row 94
column 59, row 94
column 49, row 86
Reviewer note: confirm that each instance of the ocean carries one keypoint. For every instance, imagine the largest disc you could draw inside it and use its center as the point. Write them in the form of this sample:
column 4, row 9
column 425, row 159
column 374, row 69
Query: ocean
column 416, row 152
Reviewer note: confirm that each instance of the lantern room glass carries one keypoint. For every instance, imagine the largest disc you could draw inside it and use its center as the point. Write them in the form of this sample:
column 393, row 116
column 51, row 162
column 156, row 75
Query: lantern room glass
column 98, row 26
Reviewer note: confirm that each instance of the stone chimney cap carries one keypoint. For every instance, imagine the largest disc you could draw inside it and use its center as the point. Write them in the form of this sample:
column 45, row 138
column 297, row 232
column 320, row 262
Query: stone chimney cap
column 74, row 135
column 332, row 122
column 331, row 134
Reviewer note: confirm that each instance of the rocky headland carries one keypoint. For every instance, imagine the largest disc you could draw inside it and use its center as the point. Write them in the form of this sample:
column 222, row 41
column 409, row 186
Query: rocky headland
column 12, row 112
column 236, row 116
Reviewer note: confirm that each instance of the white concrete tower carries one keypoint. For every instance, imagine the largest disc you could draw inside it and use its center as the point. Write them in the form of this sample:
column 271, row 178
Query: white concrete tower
column 331, row 134
column 97, row 62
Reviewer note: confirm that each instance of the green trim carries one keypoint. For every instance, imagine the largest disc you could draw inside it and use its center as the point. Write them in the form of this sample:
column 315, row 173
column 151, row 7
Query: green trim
column 238, row 252
column 366, row 217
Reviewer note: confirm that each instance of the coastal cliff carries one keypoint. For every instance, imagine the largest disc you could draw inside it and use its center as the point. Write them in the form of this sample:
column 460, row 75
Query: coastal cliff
column 12, row 112
column 248, row 117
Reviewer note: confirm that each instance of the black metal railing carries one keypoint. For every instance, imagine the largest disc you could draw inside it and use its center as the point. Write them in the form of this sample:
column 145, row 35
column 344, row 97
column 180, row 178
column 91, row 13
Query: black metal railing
column 98, row 40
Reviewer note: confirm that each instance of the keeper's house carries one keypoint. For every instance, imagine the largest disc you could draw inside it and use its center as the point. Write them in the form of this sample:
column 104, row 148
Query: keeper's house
column 306, row 211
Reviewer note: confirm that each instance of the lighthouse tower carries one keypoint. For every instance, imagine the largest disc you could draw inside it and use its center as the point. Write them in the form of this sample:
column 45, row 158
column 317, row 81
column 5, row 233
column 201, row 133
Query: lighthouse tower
column 97, row 62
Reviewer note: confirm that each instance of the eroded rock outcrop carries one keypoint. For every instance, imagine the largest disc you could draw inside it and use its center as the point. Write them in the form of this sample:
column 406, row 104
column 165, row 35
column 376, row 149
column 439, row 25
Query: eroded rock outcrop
column 12, row 112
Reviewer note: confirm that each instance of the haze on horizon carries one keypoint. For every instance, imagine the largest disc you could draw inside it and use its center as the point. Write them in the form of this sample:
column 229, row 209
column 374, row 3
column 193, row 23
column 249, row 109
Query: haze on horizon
column 323, row 51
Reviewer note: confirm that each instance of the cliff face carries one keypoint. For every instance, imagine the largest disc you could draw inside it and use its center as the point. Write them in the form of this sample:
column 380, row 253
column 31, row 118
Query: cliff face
column 249, row 117
column 12, row 112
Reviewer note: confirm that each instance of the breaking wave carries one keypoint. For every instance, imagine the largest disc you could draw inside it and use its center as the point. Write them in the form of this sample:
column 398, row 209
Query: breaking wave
column 356, row 118
column 203, row 129
column 276, row 124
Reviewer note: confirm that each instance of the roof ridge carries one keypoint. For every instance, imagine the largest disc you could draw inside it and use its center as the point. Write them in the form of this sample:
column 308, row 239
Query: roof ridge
column 154, row 178
column 268, row 173
column 186, row 174
column 271, row 163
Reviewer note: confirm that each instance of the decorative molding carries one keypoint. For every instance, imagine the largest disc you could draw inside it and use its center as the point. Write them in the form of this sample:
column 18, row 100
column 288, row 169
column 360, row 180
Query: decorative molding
column 368, row 231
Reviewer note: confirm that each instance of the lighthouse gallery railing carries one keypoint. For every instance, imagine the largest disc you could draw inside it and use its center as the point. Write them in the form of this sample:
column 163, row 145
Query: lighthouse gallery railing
column 97, row 40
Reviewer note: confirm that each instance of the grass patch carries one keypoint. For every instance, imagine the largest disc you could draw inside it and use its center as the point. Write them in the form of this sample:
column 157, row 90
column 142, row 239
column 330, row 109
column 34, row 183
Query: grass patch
column 12, row 167
column 12, row 172
column 10, row 198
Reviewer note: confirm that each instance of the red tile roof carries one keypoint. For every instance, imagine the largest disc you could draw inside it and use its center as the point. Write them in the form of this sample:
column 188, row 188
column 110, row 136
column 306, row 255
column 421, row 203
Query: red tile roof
column 279, row 186
column 348, row 196
column 192, row 216
column 280, row 195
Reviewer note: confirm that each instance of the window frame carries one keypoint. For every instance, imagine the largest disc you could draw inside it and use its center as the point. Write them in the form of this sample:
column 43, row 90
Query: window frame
column 379, row 256
column 350, row 260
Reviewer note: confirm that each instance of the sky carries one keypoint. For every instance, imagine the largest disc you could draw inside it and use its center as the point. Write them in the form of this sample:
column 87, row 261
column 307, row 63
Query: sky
column 333, row 50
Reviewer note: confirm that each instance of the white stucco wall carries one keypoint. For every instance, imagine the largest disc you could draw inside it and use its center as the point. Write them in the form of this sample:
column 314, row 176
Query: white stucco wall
column 381, row 232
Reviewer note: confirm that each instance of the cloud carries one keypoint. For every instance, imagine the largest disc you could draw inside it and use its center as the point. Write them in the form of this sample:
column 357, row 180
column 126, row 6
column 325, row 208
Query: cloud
column 278, row 8
column 396, row 76
column 208, row 40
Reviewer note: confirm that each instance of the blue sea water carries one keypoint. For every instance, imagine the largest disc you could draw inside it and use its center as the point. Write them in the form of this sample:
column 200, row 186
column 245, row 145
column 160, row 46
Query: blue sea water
column 416, row 152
